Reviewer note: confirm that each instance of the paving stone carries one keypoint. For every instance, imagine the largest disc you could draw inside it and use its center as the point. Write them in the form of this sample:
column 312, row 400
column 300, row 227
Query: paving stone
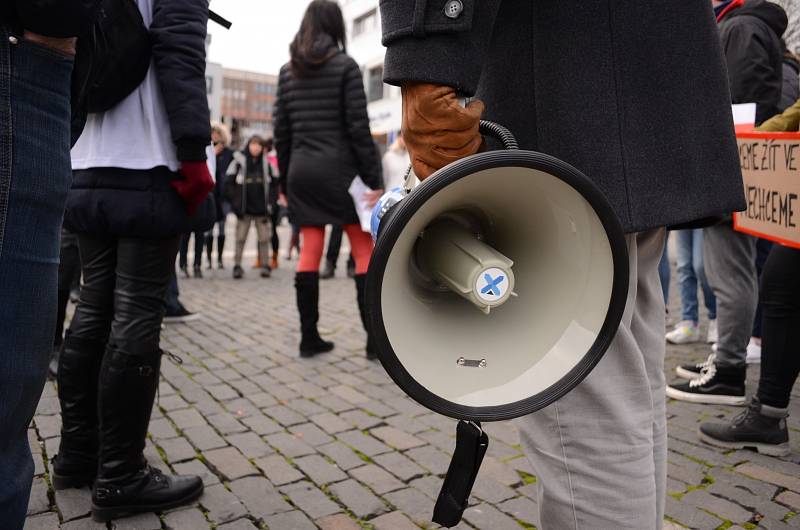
column 305, row 407
column 172, row 402
column 290, row 520
column 393, row 521
column 358, row 499
column 396, row 438
column 790, row 499
column 400, row 466
column 87, row 523
column 250, row 444
column 186, row 418
column 226, row 423
column 259, row 496
column 430, row 458
column 360, row 419
column 284, row 415
column 487, row 516
column 74, row 503
column 204, row 438
column 339, row 521
column 38, row 501
column 177, row 450
column 48, row 426
column 500, row 472
column 229, row 462
column 330, row 423
column 222, row 505
column 289, row 445
column 310, row 434
column 190, row 519
column 196, row 467
column 344, row 457
column 690, row 516
column 320, row 470
column 262, row 425
column 162, row 429
column 413, row 503
column 768, row 475
column 489, row 490
column 521, row 508
column 378, row 479
column 310, row 499
column 142, row 521
column 363, row 443
column 222, row 392
column 278, row 471
column 239, row 524
column 45, row 521
column 349, row 394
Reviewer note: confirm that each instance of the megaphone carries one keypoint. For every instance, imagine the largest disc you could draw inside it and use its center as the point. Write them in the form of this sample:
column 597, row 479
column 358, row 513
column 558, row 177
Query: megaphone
column 496, row 284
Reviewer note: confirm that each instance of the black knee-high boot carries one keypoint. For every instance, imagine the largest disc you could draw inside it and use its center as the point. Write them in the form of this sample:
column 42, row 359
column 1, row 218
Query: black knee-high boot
column 75, row 465
column 372, row 351
column 125, row 483
column 307, row 288
column 220, row 247
column 209, row 243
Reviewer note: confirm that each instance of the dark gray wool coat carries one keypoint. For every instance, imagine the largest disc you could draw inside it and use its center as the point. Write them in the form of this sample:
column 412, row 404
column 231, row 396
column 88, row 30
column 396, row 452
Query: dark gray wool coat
column 632, row 93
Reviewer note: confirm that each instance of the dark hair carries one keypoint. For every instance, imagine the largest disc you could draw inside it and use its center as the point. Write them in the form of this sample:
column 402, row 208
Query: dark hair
column 322, row 33
column 268, row 143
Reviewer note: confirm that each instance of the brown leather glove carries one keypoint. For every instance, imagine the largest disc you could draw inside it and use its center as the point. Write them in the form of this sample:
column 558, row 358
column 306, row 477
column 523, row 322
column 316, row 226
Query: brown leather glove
column 436, row 128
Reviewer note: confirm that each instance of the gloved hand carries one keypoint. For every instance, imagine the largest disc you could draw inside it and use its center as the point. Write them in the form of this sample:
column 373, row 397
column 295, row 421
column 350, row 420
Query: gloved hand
column 436, row 128
column 195, row 185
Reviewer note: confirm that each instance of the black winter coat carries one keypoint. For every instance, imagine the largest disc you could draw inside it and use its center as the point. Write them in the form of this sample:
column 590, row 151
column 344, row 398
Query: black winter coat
column 790, row 92
column 224, row 159
column 61, row 18
column 323, row 141
column 142, row 203
column 633, row 95
column 751, row 42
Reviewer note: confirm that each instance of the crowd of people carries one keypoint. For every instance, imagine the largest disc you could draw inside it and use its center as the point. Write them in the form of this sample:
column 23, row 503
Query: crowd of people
column 138, row 186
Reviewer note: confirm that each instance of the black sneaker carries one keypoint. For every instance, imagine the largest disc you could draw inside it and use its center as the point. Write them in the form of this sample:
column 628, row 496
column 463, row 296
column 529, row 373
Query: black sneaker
column 266, row 272
column 693, row 371
column 185, row 271
column 759, row 427
column 149, row 491
column 180, row 315
column 715, row 386
column 198, row 271
column 238, row 272
column 328, row 270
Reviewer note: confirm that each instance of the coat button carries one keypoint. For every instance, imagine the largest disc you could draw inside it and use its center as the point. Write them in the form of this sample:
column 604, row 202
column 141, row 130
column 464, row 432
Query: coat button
column 453, row 9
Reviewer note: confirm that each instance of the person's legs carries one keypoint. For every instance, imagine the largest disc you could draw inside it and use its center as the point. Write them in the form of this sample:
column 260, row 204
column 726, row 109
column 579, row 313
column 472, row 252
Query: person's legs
column 171, row 300
column 198, row 249
column 361, row 245
column 599, row 453
column 68, row 268
column 687, row 281
column 183, row 260
column 698, row 264
column 242, row 228
column 220, row 240
column 34, row 180
column 664, row 272
column 332, row 254
column 263, row 234
column 306, row 282
column 763, row 248
column 80, row 360
column 275, row 240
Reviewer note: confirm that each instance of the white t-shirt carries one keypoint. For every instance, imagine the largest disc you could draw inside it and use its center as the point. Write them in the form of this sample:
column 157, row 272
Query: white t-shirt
column 395, row 165
column 133, row 135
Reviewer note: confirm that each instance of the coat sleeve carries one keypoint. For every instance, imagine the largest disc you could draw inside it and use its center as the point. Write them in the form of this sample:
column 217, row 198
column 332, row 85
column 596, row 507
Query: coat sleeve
column 357, row 126
column 750, row 69
column 58, row 18
column 424, row 44
column 179, row 53
column 282, row 131
column 789, row 121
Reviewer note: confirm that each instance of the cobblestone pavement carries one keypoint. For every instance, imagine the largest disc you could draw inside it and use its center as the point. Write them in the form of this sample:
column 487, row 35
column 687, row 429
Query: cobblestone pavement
column 331, row 443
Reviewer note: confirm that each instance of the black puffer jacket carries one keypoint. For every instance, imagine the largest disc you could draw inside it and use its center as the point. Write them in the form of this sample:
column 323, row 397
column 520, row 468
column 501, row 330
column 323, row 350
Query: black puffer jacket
column 323, row 141
column 751, row 42
column 53, row 18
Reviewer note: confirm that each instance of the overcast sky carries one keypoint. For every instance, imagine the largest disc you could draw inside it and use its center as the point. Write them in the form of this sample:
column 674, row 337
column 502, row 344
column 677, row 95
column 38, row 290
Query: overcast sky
column 260, row 36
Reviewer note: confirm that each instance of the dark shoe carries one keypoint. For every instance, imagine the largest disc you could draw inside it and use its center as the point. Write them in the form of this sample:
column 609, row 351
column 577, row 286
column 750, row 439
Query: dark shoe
column 185, row 271
column 147, row 491
column 692, row 371
column 328, row 270
column 273, row 262
column 715, row 386
column 361, row 297
column 266, row 272
column 198, row 271
column 220, row 265
column 351, row 269
column 759, row 427
column 180, row 315
column 238, row 272
column 210, row 265
column 307, row 290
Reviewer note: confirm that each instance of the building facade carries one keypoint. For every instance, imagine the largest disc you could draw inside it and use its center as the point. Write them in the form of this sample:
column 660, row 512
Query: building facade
column 248, row 99
column 364, row 45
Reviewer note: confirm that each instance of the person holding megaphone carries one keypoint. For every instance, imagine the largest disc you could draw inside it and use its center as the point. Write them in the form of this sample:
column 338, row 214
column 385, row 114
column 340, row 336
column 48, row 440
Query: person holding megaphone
column 616, row 89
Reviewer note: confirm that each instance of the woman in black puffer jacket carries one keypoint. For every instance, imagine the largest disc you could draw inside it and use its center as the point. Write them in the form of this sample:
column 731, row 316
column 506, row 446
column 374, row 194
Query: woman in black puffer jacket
column 323, row 141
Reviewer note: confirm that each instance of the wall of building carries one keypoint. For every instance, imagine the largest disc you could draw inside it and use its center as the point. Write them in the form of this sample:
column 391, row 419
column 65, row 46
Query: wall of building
column 248, row 99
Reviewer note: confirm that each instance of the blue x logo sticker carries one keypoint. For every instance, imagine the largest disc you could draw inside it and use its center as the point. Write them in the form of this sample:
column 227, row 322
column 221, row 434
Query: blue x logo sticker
column 492, row 285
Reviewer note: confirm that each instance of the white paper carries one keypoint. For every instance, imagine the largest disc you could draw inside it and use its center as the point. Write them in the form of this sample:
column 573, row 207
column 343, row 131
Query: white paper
column 211, row 161
column 357, row 190
column 744, row 113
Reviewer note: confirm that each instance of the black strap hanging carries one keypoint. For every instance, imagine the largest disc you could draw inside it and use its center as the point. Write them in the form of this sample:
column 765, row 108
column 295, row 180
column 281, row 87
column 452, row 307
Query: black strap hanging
column 471, row 445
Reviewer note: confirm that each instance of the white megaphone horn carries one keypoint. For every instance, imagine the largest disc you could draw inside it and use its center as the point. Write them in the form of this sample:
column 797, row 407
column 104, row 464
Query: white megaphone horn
column 495, row 286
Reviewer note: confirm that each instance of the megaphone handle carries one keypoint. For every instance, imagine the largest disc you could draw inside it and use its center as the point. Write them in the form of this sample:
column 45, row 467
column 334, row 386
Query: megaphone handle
column 471, row 445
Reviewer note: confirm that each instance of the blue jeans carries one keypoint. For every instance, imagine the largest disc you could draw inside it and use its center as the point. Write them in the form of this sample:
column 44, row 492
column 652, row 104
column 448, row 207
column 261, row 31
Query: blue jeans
column 35, row 177
column 690, row 271
column 663, row 270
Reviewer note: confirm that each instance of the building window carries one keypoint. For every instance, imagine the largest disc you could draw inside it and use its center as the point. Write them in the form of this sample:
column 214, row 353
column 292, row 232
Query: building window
column 375, row 83
column 365, row 23
column 209, row 84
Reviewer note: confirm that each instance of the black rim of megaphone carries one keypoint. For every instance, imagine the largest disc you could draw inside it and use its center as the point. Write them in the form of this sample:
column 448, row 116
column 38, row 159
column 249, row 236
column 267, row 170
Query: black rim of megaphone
column 392, row 227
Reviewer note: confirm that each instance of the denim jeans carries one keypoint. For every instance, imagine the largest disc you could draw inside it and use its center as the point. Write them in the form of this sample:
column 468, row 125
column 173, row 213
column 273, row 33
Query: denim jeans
column 690, row 271
column 663, row 270
column 35, row 177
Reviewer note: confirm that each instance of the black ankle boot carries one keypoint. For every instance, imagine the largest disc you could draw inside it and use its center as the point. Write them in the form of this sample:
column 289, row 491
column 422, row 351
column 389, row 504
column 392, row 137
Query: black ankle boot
column 125, row 483
column 328, row 270
column 361, row 295
column 759, row 427
column 307, row 288
column 75, row 465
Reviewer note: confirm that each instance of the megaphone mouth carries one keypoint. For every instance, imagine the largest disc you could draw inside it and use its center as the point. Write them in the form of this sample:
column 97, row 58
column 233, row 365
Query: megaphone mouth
column 468, row 377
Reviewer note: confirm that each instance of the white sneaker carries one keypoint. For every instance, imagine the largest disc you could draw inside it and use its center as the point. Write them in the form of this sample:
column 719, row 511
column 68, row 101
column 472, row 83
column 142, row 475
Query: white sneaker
column 753, row 353
column 713, row 335
column 684, row 333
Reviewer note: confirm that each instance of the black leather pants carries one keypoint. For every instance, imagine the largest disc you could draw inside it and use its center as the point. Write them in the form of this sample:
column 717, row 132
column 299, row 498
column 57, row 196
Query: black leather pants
column 109, row 388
